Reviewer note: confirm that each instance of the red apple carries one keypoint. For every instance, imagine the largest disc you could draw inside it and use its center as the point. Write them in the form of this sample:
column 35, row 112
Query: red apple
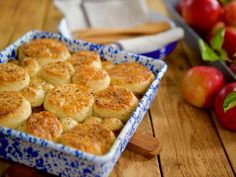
column 202, row 14
column 201, row 84
column 233, row 67
column 230, row 13
column 230, row 40
column 181, row 4
column 226, row 118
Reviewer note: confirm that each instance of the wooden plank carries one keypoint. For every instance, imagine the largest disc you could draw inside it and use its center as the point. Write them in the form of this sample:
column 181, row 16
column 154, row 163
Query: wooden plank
column 3, row 166
column 52, row 19
column 131, row 164
column 191, row 146
column 16, row 18
column 190, row 55
column 31, row 15
column 7, row 20
column 228, row 139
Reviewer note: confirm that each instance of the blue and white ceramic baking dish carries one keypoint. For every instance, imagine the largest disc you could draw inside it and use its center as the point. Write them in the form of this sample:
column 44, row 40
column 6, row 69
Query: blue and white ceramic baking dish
column 61, row 160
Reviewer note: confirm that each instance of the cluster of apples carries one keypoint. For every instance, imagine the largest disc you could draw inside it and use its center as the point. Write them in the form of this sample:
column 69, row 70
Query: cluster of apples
column 204, row 87
column 208, row 17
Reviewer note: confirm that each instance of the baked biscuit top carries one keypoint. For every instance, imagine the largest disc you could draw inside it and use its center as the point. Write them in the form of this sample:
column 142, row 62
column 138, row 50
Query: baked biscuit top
column 11, row 73
column 69, row 98
column 42, row 48
column 44, row 125
column 84, row 58
column 58, row 69
column 87, row 73
column 89, row 137
column 114, row 97
column 129, row 73
column 10, row 102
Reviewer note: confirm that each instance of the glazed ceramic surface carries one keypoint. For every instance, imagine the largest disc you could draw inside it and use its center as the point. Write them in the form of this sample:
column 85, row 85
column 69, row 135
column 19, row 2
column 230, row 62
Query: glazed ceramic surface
column 61, row 160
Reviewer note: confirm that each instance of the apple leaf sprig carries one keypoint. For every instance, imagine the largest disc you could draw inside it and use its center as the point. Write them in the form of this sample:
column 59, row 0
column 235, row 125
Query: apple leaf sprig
column 230, row 101
column 224, row 1
column 214, row 52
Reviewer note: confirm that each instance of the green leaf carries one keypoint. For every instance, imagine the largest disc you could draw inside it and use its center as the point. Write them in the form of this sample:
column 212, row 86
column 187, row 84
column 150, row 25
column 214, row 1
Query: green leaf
column 222, row 54
column 224, row 1
column 208, row 54
column 230, row 101
column 218, row 39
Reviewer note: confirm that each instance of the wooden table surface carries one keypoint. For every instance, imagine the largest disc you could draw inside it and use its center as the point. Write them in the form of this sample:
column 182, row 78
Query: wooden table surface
column 194, row 144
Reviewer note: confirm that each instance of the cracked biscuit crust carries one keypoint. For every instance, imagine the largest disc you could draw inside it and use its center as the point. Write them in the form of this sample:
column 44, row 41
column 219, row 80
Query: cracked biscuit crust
column 14, row 109
column 115, row 102
column 44, row 125
column 70, row 100
column 13, row 77
column 57, row 73
column 89, row 137
column 133, row 76
column 45, row 50
column 86, row 58
column 95, row 79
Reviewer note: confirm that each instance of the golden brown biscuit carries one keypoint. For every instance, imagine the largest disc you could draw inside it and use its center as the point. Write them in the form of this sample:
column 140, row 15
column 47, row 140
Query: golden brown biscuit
column 14, row 61
column 112, row 124
column 31, row 66
column 14, row 109
column 57, row 73
column 22, row 126
column 107, row 65
column 87, row 58
column 93, row 119
column 37, row 81
column 13, row 77
column 47, row 86
column 95, row 79
column 44, row 125
column 68, row 123
column 70, row 100
column 115, row 102
column 89, row 137
column 132, row 76
column 45, row 50
column 34, row 94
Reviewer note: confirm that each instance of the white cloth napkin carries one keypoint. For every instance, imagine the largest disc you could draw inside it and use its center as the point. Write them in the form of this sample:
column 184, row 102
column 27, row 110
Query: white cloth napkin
column 82, row 14
column 149, row 43
column 102, row 13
